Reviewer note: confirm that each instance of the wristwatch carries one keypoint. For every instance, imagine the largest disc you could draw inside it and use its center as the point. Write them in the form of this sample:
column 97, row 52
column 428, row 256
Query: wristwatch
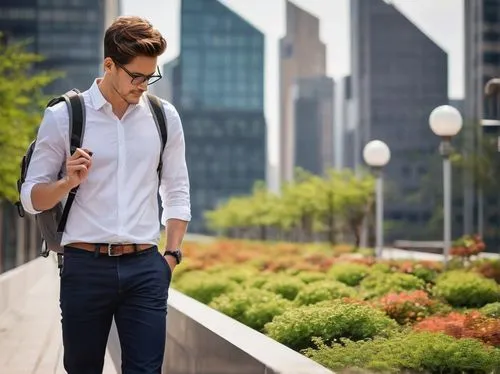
column 177, row 254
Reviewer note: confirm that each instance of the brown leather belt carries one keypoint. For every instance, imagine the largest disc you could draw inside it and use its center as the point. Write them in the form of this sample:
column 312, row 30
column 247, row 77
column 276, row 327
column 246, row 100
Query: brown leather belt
column 112, row 249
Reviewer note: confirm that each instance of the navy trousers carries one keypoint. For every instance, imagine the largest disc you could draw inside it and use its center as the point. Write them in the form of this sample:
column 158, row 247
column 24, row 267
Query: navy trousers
column 133, row 289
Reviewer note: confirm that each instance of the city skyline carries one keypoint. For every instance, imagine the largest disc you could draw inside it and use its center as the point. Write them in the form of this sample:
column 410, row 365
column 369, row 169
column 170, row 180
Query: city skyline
column 442, row 21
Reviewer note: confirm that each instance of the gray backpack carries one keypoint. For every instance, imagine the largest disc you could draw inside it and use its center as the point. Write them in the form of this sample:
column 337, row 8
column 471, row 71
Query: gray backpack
column 52, row 222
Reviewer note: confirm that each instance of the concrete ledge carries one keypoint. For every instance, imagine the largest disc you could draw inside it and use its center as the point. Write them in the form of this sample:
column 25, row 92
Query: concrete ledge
column 201, row 340
column 17, row 282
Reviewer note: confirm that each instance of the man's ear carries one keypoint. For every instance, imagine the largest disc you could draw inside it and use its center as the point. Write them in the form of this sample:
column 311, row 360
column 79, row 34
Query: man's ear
column 108, row 64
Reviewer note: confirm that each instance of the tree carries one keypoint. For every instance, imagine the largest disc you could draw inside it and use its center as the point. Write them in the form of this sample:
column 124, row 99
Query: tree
column 356, row 202
column 21, row 108
column 306, row 209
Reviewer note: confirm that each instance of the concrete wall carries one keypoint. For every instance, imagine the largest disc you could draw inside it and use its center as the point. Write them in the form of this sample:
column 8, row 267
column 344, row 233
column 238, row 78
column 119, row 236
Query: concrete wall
column 19, row 238
column 203, row 341
column 16, row 283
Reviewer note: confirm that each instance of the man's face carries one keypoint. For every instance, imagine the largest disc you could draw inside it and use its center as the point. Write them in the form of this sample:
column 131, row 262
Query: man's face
column 129, row 80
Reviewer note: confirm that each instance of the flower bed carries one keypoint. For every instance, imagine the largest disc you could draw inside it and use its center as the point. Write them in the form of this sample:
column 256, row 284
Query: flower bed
column 345, row 310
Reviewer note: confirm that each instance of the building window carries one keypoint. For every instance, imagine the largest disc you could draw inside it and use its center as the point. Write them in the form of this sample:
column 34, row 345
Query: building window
column 492, row 58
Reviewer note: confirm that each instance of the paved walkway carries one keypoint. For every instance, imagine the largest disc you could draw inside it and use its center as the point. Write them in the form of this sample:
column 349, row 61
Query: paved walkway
column 30, row 333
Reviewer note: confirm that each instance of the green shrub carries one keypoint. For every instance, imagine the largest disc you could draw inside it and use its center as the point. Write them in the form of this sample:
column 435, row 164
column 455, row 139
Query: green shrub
column 379, row 284
column 309, row 276
column 286, row 286
column 259, row 280
column 349, row 273
column 426, row 274
column 491, row 310
column 329, row 320
column 322, row 291
column 252, row 307
column 236, row 274
column 381, row 268
column 203, row 286
column 422, row 352
column 466, row 289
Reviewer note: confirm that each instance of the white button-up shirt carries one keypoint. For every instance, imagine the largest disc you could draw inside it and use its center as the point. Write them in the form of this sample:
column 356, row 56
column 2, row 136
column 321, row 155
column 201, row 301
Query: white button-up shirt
column 118, row 202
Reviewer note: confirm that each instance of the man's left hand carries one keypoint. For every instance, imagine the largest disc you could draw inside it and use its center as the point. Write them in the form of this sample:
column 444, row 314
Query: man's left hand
column 172, row 262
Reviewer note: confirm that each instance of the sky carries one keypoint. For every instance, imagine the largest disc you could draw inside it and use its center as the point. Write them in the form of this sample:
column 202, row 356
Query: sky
column 441, row 20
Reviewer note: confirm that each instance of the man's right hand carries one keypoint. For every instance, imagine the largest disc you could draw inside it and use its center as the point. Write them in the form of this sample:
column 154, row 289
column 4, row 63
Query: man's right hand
column 77, row 167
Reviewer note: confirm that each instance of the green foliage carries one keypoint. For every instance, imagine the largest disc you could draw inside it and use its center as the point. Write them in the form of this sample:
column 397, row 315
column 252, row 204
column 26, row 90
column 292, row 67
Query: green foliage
column 323, row 290
column 349, row 273
column 239, row 274
column 330, row 320
column 379, row 284
column 253, row 307
column 416, row 351
column 286, row 286
column 426, row 274
column 21, row 107
column 399, row 329
column 491, row 310
column 311, row 276
column 466, row 289
column 381, row 268
column 259, row 281
column 203, row 286
column 341, row 201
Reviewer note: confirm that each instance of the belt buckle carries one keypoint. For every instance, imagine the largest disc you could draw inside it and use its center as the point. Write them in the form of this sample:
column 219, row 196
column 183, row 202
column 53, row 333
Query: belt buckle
column 110, row 246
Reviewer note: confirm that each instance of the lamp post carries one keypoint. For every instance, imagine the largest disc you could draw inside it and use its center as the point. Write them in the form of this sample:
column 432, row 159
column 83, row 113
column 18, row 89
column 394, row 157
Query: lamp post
column 376, row 155
column 445, row 121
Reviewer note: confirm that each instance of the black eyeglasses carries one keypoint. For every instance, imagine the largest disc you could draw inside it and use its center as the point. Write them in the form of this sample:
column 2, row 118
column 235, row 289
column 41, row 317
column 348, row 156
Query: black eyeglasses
column 138, row 79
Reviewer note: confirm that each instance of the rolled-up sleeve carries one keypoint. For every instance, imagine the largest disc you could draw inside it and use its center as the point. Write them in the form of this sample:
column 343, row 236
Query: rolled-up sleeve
column 47, row 158
column 174, row 186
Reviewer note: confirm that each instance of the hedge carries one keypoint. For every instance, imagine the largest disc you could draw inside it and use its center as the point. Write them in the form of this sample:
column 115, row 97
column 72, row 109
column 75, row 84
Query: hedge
column 349, row 311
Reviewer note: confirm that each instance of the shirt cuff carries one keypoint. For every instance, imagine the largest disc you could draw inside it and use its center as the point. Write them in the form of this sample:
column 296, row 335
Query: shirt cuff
column 176, row 212
column 26, row 201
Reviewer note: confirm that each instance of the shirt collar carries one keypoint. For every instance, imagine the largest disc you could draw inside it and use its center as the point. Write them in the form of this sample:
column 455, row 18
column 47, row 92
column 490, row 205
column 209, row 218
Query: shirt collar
column 96, row 96
column 98, row 100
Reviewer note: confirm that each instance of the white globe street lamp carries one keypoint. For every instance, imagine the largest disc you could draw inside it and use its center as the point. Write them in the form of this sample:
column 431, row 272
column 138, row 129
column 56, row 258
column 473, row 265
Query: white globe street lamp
column 376, row 155
column 446, row 122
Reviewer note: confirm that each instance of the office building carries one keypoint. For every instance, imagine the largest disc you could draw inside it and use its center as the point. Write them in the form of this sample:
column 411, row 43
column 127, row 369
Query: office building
column 481, row 211
column 218, row 88
column 399, row 75
column 302, row 55
column 68, row 34
column 314, row 138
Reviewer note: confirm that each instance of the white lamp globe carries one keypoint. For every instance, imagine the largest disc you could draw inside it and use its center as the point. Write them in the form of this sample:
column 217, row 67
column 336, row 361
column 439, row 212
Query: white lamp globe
column 445, row 121
column 376, row 153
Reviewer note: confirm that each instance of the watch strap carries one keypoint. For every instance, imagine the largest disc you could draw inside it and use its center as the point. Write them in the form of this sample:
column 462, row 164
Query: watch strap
column 175, row 254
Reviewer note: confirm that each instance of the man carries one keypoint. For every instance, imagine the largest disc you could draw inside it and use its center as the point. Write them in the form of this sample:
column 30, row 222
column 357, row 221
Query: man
column 112, row 265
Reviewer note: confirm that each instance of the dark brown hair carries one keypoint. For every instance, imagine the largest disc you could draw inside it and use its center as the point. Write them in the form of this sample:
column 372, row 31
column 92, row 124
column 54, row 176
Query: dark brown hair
column 131, row 36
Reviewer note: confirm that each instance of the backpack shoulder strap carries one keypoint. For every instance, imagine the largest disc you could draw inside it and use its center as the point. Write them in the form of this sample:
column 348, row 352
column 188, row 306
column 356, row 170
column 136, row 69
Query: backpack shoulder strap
column 74, row 101
column 76, row 110
column 160, row 118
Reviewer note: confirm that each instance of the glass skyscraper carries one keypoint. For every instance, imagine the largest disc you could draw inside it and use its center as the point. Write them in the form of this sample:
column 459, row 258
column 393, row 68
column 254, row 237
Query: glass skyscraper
column 69, row 34
column 398, row 78
column 222, row 61
column 218, row 89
